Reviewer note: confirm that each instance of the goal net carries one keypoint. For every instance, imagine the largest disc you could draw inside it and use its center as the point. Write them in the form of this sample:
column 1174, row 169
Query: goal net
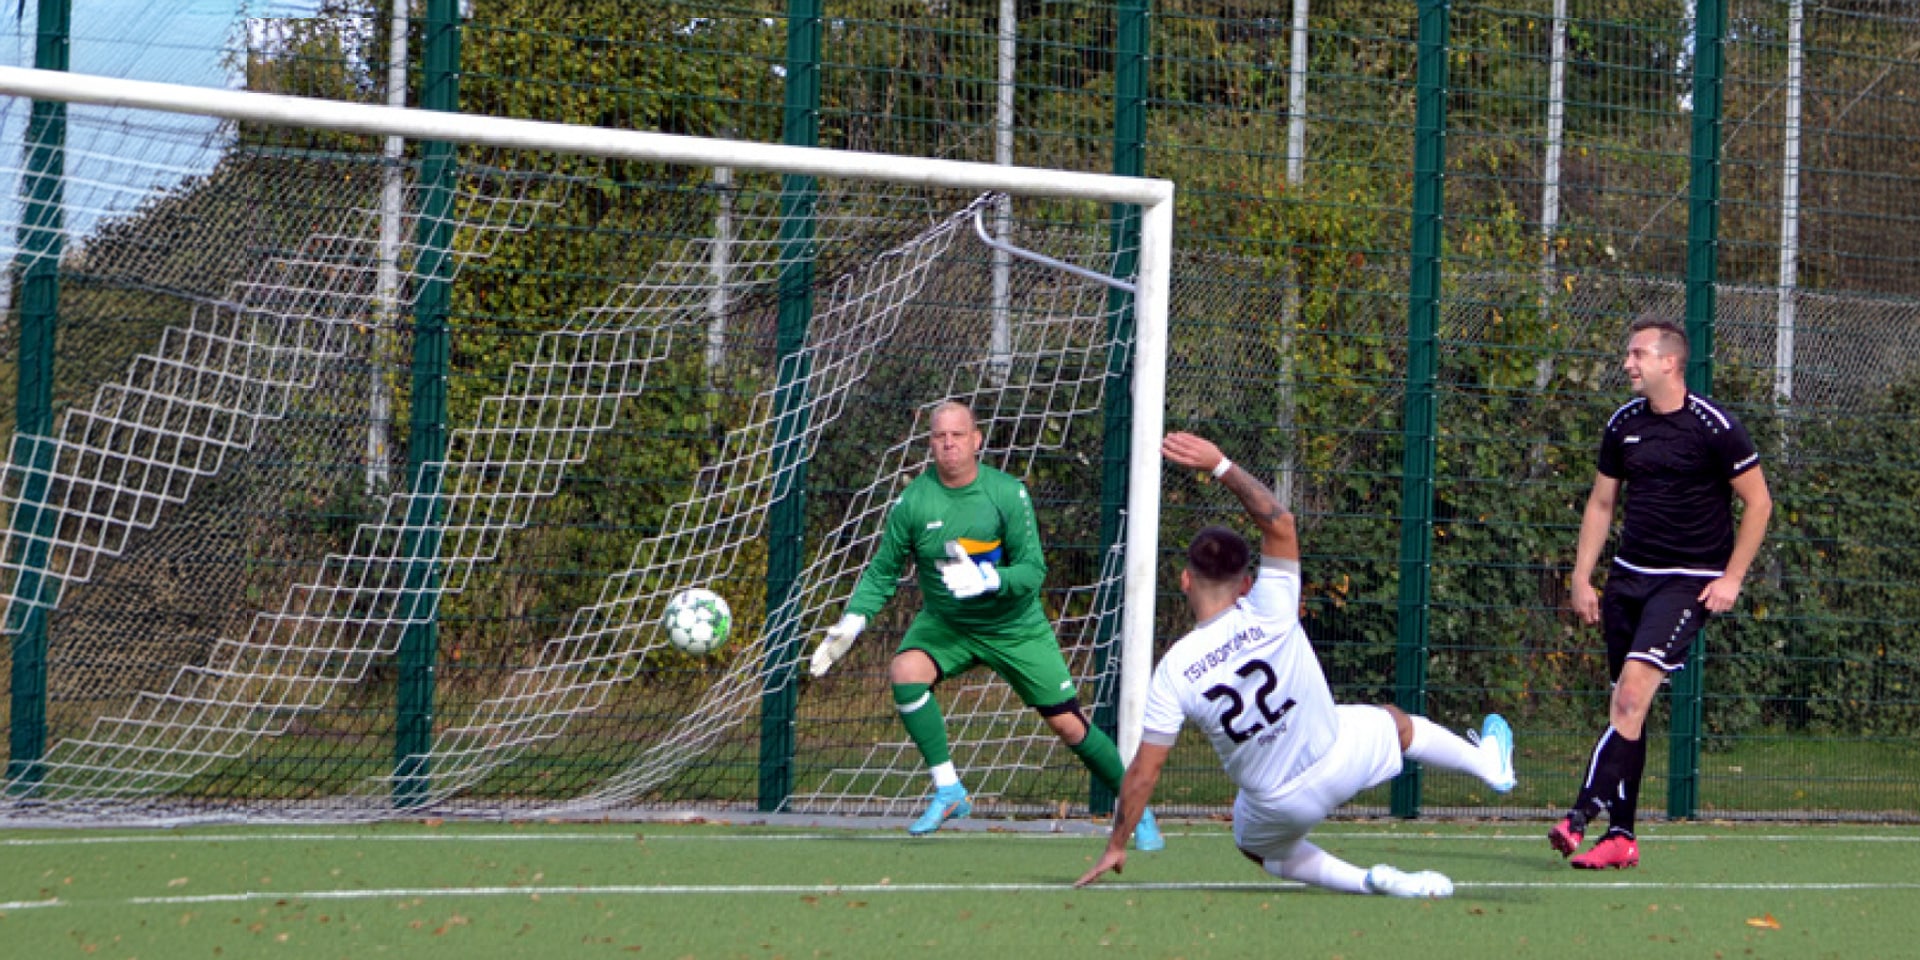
column 362, row 482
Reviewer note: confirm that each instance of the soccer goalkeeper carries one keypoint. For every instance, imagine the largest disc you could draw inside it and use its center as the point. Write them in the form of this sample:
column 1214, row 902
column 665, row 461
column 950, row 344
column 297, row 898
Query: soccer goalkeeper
column 970, row 531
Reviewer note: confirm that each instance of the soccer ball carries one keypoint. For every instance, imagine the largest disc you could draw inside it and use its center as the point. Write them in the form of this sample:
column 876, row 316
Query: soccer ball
column 697, row 620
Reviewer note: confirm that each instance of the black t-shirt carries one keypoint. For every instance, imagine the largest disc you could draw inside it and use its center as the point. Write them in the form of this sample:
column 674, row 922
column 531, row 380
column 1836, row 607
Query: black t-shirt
column 1676, row 471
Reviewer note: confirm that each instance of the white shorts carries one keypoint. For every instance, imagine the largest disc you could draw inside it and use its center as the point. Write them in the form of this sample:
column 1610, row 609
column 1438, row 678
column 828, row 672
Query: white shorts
column 1365, row 753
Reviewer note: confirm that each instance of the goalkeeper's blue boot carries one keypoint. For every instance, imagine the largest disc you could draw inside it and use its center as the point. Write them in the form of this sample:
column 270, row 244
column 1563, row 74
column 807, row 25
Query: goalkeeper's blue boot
column 1146, row 834
column 948, row 802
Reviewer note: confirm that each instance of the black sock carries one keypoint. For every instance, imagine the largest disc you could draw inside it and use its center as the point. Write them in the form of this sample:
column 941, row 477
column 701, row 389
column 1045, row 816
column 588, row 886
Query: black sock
column 1633, row 763
column 1602, row 782
column 1613, row 782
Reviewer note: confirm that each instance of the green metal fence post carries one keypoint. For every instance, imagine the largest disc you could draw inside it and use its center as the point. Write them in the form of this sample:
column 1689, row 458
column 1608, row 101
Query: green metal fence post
column 787, row 518
column 1423, row 324
column 427, row 432
column 1129, row 160
column 1703, row 247
column 42, row 242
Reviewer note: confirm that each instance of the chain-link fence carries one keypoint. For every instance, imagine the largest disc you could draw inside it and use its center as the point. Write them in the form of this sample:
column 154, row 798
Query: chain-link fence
column 1409, row 238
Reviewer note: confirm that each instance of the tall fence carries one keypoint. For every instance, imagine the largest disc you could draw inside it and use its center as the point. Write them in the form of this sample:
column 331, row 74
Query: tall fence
column 1409, row 238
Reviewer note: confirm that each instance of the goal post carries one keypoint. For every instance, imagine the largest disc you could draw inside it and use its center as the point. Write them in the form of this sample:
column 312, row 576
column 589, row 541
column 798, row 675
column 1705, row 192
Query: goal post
column 612, row 438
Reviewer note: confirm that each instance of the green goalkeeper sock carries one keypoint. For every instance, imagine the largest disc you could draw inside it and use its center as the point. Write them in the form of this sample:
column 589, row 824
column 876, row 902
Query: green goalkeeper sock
column 920, row 714
column 1098, row 752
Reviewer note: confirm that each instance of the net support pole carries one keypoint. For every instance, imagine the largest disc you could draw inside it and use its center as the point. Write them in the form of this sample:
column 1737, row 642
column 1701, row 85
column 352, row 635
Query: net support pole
column 1290, row 305
column 1423, row 324
column 387, row 289
column 1550, row 174
column 1124, row 410
column 427, row 431
column 1000, row 349
column 42, row 243
column 719, row 270
column 1785, row 311
column 1556, row 140
column 1703, row 246
column 787, row 518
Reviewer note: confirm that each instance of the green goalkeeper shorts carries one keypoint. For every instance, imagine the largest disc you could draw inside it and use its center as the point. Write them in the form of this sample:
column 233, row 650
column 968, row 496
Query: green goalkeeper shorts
column 1027, row 656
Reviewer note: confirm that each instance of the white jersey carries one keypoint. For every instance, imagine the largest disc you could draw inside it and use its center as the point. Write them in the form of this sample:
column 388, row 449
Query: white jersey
column 1250, row 679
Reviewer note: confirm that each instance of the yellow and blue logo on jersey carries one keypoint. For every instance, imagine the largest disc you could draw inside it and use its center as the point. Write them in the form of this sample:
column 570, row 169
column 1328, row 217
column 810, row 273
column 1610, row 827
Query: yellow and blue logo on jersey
column 981, row 551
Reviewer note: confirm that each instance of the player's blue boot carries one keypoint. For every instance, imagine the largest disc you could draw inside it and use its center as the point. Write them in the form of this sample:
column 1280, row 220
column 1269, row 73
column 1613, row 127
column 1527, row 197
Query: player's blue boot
column 948, row 802
column 1497, row 736
column 1146, row 834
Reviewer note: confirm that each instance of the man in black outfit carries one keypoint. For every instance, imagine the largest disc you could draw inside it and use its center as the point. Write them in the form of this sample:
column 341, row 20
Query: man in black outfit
column 1683, row 460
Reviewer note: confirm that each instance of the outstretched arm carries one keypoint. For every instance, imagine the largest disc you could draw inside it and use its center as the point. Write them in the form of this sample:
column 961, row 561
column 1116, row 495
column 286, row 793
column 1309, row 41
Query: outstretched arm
column 1136, row 789
column 1278, row 538
column 881, row 578
column 876, row 586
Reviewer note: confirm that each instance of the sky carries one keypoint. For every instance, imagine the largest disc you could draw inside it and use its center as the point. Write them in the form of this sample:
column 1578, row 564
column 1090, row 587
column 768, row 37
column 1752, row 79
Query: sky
column 175, row 41
column 167, row 41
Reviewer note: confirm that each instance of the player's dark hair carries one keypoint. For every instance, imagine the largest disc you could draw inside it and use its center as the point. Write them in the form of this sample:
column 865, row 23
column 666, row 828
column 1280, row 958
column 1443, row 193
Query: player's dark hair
column 1218, row 554
column 1673, row 336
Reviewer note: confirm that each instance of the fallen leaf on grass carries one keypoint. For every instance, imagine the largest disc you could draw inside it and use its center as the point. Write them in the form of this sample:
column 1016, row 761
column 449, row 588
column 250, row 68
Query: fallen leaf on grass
column 177, row 882
column 1765, row 923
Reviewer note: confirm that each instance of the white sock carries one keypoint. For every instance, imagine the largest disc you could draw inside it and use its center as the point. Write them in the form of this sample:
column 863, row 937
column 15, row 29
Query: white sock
column 1310, row 864
column 944, row 775
column 1435, row 744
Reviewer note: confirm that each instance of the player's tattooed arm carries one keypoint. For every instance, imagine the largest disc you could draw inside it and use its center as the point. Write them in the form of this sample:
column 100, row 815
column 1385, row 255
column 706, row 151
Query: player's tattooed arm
column 1278, row 537
column 1260, row 502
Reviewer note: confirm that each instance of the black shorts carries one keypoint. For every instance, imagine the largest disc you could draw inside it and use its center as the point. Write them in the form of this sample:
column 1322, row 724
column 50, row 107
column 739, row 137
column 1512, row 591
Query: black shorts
column 1651, row 618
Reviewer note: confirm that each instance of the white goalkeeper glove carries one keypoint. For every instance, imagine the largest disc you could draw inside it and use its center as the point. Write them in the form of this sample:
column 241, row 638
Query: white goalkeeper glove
column 837, row 642
column 965, row 578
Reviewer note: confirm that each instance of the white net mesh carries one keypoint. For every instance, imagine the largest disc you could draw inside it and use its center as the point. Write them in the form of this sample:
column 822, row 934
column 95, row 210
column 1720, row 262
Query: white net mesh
column 207, row 474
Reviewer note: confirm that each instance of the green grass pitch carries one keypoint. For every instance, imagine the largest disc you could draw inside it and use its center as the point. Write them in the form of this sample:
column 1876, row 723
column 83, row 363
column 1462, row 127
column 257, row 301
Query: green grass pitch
column 652, row 889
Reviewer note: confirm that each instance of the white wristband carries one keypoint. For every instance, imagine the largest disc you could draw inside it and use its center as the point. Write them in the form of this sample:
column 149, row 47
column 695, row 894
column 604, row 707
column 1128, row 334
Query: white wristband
column 1220, row 469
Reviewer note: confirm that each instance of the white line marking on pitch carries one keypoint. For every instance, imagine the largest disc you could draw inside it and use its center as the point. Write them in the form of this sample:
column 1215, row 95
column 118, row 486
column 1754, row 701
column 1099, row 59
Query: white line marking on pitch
column 781, row 889
column 883, row 837
column 30, row 905
column 880, row 888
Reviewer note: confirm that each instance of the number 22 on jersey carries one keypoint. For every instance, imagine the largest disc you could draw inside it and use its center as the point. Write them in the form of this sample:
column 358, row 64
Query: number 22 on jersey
column 1234, row 718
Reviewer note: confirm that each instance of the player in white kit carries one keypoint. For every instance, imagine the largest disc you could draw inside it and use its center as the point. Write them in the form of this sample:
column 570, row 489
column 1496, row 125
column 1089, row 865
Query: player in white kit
column 1247, row 675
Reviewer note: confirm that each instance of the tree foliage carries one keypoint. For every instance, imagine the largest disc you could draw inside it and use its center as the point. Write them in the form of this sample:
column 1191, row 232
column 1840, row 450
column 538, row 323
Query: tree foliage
column 1305, row 370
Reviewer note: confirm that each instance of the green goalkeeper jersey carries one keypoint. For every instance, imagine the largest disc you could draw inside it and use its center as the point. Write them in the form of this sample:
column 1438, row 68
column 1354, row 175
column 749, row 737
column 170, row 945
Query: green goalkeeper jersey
column 993, row 519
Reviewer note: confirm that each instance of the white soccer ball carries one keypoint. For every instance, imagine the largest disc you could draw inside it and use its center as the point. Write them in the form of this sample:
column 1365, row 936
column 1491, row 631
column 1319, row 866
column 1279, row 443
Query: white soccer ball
column 698, row 620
